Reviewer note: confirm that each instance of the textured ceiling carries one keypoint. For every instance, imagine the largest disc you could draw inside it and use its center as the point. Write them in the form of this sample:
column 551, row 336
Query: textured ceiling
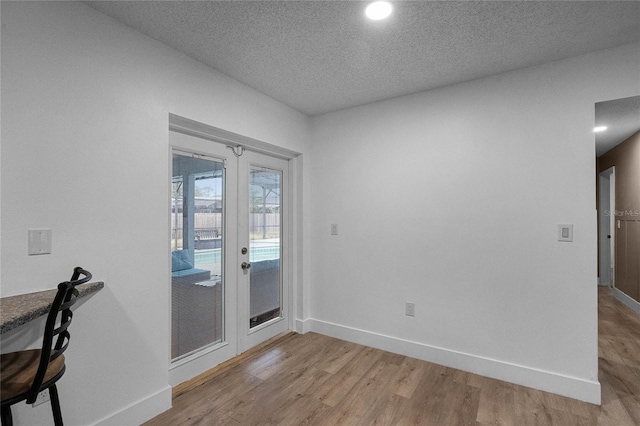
column 622, row 118
column 321, row 56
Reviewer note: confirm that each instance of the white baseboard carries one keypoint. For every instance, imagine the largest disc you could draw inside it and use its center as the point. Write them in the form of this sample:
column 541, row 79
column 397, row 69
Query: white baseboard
column 303, row 326
column 631, row 303
column 571, row 387
column 140, row 411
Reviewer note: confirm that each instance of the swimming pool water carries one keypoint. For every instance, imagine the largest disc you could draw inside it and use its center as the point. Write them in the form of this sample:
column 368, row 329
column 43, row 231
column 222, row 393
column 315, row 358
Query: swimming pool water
column 210, row 259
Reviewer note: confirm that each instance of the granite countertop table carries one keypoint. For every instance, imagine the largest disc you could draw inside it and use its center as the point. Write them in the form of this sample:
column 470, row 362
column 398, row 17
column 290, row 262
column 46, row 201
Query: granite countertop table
column 22, row 308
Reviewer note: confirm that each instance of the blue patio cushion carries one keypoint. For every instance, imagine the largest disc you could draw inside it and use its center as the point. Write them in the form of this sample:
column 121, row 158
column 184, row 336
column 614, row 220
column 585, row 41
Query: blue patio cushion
column 190, row 272
column 180, row 260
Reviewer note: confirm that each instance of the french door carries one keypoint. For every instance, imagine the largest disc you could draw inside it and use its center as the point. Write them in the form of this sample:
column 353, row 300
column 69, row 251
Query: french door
column 262, row 234
column 229, row 251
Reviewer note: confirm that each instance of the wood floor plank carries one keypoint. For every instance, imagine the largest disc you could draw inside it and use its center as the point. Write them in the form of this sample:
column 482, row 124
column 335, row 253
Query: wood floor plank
column 339, row 354
column 250, row 407
column 408, row 377
column 531, row 407
column 388, row 410
column 632, row 405
column 497, row 403
column 206, row 401
column 454, row 404
column 294, row 401
column 423, row 404
column 313, row 379
column 336, row 388
column 302, row 410
column 370, row 388
column 282, row 362
column 363, row 362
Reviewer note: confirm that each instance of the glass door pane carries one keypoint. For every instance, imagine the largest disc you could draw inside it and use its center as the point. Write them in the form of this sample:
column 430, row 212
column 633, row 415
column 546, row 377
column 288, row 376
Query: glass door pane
column 197, row 285
column 265, row 236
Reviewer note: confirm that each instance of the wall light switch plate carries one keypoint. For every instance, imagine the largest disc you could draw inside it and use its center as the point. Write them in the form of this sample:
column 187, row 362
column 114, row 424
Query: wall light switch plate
column 39, row 241
column 565, row 233
column 410, row 309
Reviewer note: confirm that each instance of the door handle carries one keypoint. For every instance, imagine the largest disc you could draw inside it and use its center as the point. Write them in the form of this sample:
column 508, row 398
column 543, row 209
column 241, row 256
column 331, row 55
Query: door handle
column 245, row 265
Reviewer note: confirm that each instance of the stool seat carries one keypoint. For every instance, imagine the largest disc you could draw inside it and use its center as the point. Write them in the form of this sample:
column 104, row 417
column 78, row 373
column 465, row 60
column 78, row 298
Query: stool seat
column 19, row 369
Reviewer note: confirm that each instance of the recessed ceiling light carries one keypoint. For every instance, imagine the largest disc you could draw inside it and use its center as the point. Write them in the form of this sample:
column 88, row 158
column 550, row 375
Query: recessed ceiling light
column 378, row 10
column 599, row 129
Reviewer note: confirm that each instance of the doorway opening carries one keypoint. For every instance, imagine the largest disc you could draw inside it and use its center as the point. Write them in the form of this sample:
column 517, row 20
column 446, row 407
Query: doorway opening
column 606, row 225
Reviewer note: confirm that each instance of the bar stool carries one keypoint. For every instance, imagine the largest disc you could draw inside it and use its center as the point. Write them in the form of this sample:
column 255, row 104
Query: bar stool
column 29, row 372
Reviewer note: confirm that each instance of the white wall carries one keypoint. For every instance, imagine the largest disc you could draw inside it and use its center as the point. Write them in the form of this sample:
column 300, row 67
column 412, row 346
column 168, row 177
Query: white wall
column 85, row 112
column 451, row 199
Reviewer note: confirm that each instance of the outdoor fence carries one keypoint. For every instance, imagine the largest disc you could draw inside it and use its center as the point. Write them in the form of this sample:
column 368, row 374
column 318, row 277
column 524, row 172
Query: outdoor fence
column 261, row 225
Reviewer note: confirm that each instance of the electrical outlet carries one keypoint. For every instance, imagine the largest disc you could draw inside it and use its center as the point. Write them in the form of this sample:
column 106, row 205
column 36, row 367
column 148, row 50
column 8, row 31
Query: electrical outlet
column 565, row 233
column 43, row 396
column 410, row 309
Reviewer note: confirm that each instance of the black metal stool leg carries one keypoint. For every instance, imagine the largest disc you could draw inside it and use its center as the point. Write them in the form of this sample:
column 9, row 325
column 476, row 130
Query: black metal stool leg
column 7, row 419
column 55, row 405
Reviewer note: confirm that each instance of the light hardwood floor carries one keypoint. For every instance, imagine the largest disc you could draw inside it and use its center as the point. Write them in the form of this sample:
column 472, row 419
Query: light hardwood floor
column 314, row 379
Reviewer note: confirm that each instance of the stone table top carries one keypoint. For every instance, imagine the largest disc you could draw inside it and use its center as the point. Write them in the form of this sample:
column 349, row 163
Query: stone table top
column 22, row 308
